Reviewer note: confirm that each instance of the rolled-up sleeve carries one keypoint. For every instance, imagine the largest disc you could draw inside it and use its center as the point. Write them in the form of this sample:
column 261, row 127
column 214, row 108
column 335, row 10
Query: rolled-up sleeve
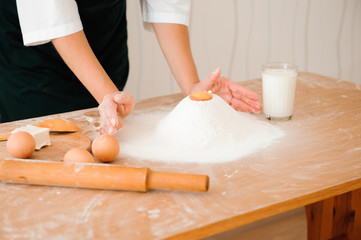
column 44, row 20
column 166, row 11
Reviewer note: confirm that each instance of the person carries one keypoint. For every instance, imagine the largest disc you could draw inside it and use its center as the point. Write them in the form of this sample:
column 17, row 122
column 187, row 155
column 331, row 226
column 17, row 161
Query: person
column 64, row 55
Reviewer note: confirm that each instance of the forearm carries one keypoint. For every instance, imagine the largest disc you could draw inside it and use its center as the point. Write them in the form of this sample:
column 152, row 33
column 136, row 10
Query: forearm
column 78, row 55
column 174, row 42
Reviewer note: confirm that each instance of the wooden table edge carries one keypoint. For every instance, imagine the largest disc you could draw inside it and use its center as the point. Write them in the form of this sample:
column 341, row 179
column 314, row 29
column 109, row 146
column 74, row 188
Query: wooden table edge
column 268, row 211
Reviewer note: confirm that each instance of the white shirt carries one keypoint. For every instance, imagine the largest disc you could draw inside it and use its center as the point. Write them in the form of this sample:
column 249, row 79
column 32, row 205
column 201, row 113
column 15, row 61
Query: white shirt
column 44, row 20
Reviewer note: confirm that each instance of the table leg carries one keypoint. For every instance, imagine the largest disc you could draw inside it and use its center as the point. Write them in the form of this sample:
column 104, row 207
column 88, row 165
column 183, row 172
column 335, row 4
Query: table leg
column 334, row 218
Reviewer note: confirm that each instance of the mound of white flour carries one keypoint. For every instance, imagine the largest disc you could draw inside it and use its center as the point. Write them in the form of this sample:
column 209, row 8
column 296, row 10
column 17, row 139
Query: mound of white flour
column 195, row 131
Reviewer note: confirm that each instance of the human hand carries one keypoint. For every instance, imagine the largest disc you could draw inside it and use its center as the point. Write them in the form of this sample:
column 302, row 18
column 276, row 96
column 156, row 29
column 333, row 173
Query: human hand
column 113, row 109
column 239, row 97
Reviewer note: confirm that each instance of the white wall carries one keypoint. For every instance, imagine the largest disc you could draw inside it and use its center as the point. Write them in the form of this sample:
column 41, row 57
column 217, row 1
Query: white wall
column 320, row 36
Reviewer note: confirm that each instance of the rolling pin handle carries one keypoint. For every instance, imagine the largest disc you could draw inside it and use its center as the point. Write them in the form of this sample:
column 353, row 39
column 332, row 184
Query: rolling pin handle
column 178, row 181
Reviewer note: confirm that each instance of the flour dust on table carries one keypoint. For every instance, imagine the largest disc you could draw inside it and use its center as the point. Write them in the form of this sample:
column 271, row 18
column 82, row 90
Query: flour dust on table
column 195, row 131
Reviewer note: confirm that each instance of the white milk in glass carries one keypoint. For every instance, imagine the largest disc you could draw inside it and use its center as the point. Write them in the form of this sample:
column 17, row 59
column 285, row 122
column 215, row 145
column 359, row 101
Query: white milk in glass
column 278, row 86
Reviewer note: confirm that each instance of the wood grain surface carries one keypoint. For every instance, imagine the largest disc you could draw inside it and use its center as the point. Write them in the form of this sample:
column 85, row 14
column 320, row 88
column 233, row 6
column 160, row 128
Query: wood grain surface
column 318, row 158
column 337, row 217
column 60, row 144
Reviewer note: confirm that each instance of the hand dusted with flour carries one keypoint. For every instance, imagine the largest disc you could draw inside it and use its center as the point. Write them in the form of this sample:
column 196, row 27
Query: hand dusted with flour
column 195, row 131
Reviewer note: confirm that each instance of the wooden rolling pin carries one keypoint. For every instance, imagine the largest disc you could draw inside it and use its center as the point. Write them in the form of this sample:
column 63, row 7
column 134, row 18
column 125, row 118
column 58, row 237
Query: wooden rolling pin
column 97, row 176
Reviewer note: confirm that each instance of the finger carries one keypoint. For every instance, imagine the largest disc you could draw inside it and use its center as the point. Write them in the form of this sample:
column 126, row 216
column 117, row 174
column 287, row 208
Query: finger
column 223, row 90
column 108, row 129
column 247, row 96
column 124, row 98
column 209, row 82
column 242, row 106
column 218, row 84
column 125, row 103
column 119, row 98
column 112, row 114
column 238, row 91
column 108, row 116
column 215, row 75
column 256, row 105
column 120, row 123
column 252, row 103
column 212, row 80
column 103, row 117
column 102, row 132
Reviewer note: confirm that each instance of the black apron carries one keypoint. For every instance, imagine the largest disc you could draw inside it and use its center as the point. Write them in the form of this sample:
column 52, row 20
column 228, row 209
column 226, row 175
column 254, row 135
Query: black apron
column 34, row 81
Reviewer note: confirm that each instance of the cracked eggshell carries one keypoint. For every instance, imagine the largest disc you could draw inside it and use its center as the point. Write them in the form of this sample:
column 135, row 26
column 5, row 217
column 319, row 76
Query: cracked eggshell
column 58, row 125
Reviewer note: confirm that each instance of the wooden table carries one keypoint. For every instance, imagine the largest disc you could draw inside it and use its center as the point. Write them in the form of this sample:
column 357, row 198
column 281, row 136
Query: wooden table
column 317, row 165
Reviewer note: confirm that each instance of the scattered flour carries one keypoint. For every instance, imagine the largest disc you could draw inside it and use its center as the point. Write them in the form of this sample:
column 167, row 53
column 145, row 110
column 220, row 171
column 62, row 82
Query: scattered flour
column 195, row 131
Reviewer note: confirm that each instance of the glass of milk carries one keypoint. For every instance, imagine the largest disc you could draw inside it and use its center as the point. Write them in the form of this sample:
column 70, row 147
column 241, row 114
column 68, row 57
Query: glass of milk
column 278, row 88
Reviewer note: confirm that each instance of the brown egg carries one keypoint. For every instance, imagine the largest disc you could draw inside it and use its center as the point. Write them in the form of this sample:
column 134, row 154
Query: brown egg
column 78, row 155
column 105, row 148
column 21, row 145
